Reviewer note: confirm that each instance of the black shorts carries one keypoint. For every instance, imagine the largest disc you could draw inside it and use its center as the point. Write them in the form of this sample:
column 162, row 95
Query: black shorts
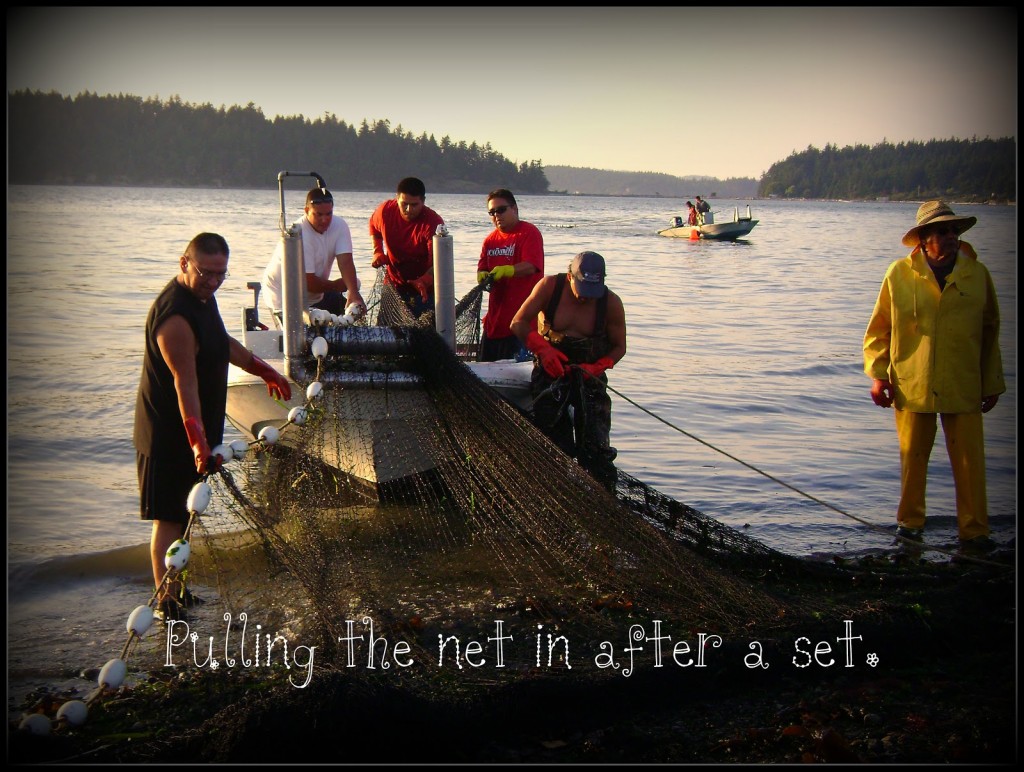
column 164, row 487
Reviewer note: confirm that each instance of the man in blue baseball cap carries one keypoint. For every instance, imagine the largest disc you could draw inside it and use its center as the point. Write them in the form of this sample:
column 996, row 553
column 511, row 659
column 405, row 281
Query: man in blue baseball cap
column 576, row 328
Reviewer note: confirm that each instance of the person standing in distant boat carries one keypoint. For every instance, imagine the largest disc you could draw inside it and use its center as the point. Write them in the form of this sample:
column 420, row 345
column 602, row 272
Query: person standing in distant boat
column 402, row 231
column 704, row 216
column 180, row 405
column 326, row 238
column 512, row 256
column 931, row 349
column 691, row 214
column 576, row 328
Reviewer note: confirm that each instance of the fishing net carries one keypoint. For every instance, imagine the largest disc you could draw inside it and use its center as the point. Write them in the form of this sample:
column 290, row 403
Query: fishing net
column 483, row 520
column 457, row 574
column 459, row 577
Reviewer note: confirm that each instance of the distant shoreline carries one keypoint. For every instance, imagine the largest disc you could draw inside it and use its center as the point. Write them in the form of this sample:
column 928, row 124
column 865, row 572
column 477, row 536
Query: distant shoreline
column 559, row 193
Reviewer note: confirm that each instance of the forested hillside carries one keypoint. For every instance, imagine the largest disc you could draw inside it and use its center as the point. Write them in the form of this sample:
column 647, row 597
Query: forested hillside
column 954, row 169
column 125, row 140
column 571, row 179
column 128, row 140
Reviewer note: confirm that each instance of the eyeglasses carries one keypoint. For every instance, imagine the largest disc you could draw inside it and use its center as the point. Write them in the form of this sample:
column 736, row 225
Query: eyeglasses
column 217, row 276
column 498, row 210
column 942, row 230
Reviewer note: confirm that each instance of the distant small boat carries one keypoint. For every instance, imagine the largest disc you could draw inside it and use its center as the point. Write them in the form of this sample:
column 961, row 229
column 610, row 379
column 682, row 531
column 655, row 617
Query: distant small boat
column 736, row 228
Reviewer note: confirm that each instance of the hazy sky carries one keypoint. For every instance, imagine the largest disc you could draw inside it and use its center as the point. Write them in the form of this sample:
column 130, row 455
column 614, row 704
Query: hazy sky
column 717, row 91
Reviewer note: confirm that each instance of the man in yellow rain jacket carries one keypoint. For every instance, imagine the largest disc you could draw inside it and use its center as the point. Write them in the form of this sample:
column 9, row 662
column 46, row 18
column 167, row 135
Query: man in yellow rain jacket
column 932, row 348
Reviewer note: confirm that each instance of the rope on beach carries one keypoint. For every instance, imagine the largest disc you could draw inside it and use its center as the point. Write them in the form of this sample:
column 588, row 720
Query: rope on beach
column 877, row 528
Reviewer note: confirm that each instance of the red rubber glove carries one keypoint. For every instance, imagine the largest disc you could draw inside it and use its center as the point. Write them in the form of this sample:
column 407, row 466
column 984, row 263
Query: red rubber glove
column 277, row 385
column 425, row 285
column 595, row 369
column 551, row 359
column 200, row 447
column 882, row 393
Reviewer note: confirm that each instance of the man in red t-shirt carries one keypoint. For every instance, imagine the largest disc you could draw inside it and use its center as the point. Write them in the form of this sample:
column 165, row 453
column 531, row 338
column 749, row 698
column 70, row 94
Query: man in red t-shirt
column 402, row 230
column 513, row 257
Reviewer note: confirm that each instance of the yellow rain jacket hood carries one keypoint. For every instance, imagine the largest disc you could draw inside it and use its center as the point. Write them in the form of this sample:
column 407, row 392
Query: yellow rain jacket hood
column 939, row 348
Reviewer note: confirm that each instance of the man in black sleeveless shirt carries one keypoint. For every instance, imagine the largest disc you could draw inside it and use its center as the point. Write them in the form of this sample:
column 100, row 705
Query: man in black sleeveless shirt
column 179, row 410
column 580, row 333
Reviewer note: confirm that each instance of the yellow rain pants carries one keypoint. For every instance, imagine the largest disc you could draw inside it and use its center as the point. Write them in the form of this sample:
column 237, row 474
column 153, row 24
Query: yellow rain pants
column 965, row 444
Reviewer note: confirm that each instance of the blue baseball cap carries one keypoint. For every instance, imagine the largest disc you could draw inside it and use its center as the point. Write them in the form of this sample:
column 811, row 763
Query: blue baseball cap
column 588, row 272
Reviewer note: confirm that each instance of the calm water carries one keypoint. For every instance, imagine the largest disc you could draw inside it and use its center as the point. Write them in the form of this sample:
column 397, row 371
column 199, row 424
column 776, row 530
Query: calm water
column 752, row 347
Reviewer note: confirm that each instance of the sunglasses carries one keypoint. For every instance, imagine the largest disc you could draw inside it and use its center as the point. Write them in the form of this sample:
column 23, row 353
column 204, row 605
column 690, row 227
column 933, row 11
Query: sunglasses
column 498, row 210
column 942, row 230
column 218, row 276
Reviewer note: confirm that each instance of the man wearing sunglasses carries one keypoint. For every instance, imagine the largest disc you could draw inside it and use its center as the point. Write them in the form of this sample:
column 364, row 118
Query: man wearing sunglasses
column 932, row 348
column 512, row 262
column 326, row 239
column 402, row 231
column 179, row 409
column 576, row 328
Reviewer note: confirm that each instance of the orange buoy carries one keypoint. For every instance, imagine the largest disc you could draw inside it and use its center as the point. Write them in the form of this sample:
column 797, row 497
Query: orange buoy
column 694, row 234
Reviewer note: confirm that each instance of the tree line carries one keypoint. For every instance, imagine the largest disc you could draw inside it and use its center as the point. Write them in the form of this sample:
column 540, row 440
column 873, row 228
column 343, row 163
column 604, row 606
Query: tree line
column 127, row 140
column 954, row 169
column 571, row 180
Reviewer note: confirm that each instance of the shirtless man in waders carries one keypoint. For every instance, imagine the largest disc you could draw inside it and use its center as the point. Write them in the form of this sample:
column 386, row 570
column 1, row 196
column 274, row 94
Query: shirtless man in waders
column 576, row 328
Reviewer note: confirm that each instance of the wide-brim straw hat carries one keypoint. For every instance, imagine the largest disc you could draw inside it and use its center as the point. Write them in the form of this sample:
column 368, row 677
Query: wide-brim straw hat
column 932, row 212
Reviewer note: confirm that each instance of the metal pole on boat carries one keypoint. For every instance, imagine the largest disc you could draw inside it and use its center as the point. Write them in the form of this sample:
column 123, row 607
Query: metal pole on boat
column 293, row 277
column 444, row 285
column 292, row 292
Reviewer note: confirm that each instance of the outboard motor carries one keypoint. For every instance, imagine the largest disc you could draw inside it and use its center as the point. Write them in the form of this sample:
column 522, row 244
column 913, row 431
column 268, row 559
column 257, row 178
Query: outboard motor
column 251, row 315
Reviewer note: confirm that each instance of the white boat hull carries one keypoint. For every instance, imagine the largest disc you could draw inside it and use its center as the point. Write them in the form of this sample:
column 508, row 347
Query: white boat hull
column 729, row 230
column 509, row 378
column 726, row 231
column 370, row 442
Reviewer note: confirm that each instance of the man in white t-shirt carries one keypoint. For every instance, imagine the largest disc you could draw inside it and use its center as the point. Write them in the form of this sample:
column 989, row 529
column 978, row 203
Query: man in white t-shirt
column 325, row 239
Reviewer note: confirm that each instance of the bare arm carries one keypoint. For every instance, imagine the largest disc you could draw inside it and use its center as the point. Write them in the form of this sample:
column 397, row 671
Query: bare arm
column 524, row 322
column 238, row 354
column 178, row 346
column 348, row 282
column 277, row 385
column 347, row 269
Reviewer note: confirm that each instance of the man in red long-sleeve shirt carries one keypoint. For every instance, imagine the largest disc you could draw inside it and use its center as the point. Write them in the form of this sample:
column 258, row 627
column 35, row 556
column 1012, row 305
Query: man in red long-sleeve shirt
column 402, row 230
